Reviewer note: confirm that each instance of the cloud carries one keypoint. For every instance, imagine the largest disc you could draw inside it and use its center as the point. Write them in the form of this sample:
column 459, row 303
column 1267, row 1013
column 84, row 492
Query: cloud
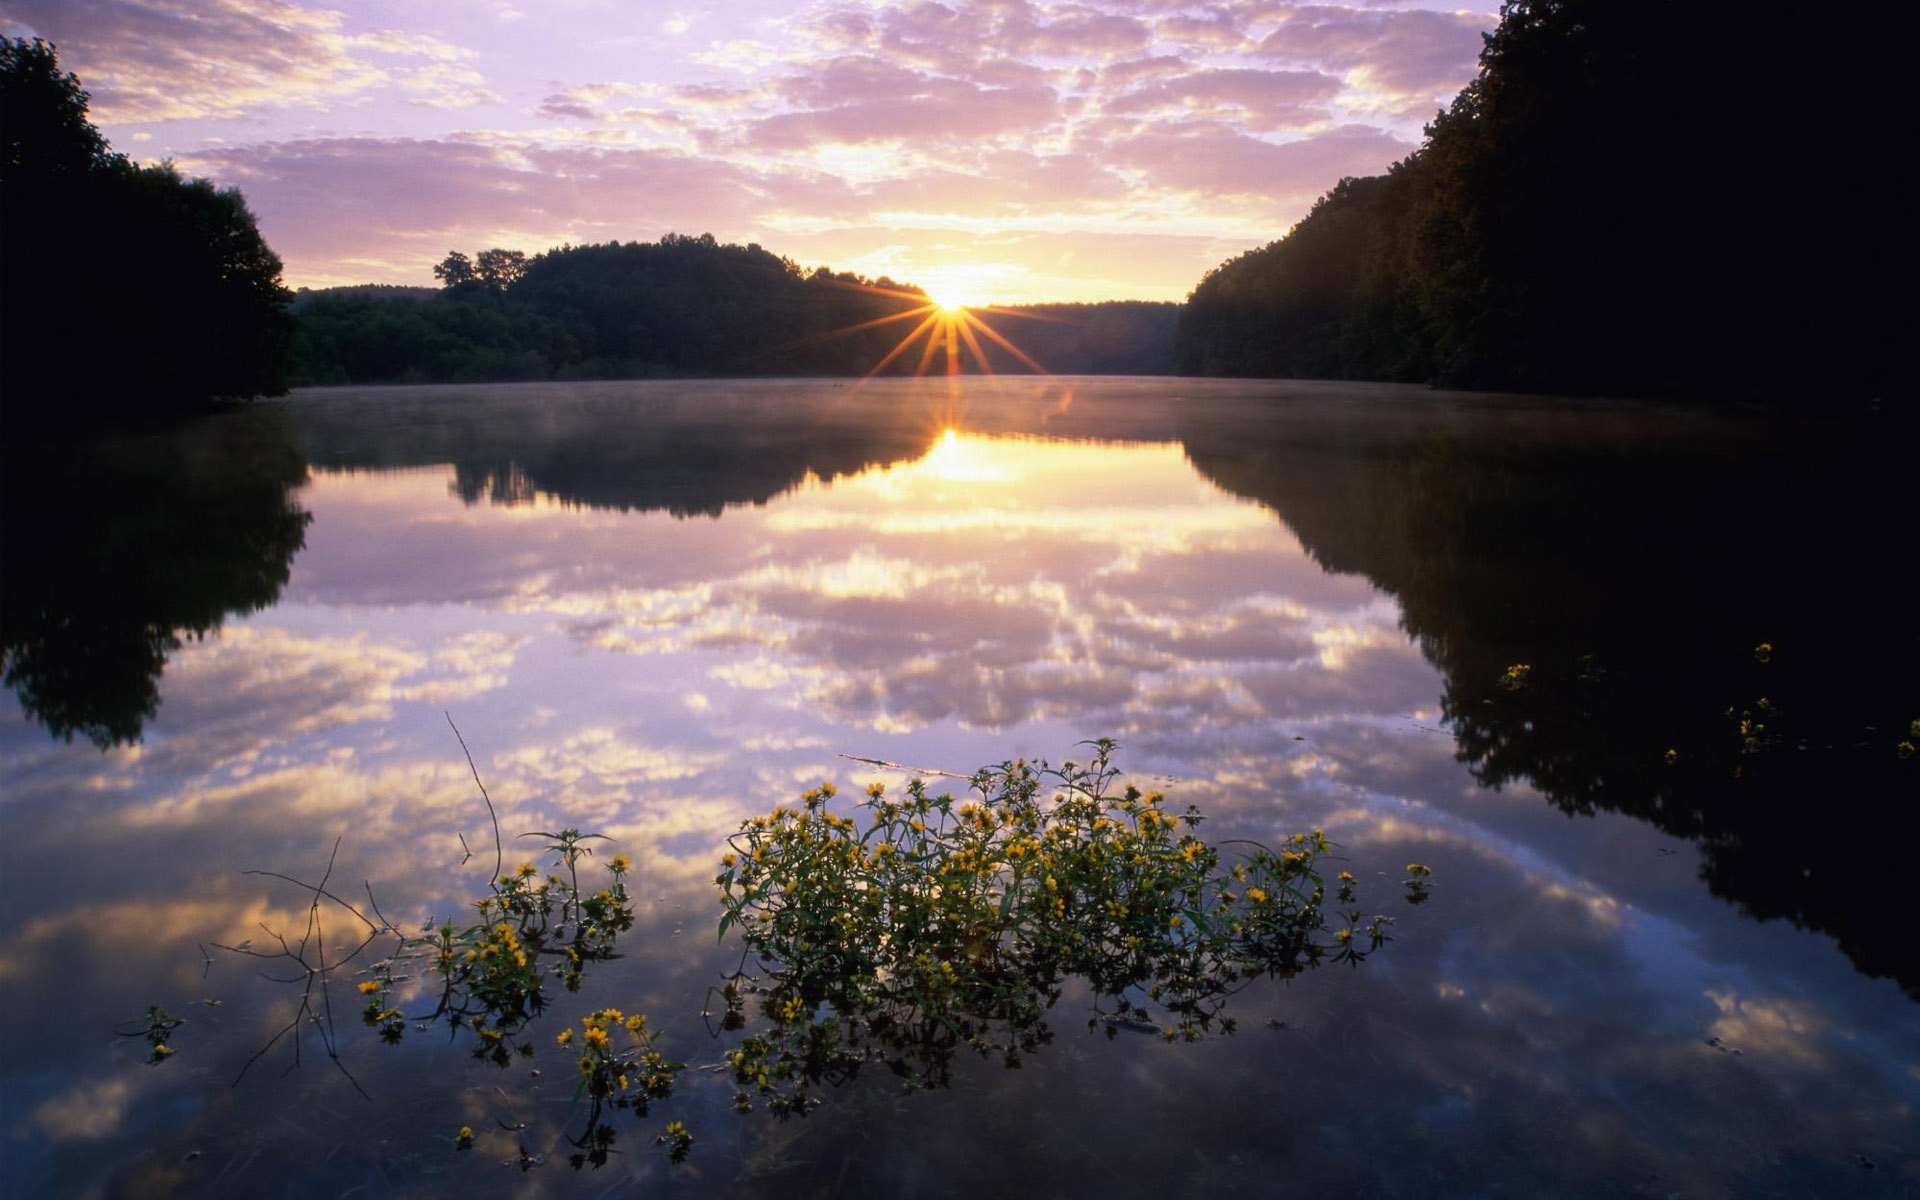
column 857, row 100
column 1252, row 99
column 162, row 60
column 1216, row 159
column 1393, row 52
column 1019, row 135
column 314, row 197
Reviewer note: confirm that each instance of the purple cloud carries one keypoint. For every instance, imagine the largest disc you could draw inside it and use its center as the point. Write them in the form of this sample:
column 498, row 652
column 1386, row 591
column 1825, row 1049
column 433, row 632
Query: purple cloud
column 1400, row 50
column 159, row 60
column 1217, row 159
column 1264, row 100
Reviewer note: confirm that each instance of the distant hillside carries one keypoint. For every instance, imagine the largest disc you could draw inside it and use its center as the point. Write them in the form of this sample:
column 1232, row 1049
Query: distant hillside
column 378, row 291
column 1632, row 197
column 690, row 307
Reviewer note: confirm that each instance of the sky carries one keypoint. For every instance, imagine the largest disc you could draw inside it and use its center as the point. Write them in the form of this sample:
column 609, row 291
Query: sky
column 993, row 151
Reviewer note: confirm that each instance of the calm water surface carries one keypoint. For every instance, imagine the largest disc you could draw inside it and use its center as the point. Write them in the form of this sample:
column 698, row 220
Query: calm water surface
column 656, row 609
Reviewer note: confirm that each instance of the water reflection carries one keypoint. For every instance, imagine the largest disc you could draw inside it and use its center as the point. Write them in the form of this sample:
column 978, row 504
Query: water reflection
column 119, row 547
column 1638, row 568
column 1055, row 569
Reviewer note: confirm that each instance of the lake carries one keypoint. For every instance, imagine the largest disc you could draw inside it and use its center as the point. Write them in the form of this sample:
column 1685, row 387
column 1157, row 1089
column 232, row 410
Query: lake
column 1631, row 680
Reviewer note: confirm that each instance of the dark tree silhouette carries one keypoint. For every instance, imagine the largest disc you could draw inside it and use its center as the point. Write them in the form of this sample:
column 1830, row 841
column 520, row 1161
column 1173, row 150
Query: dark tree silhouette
column 682, row 306
column 1594, row 212
column 454, row 270
column 497, row 269
column 124, row 288
column 120, row 543
column 1635, row 567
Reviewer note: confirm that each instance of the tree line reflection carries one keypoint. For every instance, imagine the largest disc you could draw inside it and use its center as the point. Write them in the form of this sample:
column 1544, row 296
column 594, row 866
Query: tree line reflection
column 1634, row 563
column 1664, row 591
column 120, row 545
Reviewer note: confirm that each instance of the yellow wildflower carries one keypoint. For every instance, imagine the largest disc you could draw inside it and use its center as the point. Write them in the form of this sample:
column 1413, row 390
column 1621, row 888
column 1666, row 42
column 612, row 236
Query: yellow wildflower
column 565, row 1038
column 369, row 987
column 619, row 864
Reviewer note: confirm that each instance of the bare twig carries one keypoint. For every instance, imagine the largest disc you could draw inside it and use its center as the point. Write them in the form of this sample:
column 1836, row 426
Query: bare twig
column 499, row 855
column 894, row 766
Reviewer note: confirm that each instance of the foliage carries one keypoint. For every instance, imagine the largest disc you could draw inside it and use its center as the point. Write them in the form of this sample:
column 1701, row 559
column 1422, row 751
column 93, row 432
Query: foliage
column 124, row 288
column 492, row 974
column 682, row 306
column 629, row 1076
column 156, row 1026
column 1587, row 215
column 937, row 925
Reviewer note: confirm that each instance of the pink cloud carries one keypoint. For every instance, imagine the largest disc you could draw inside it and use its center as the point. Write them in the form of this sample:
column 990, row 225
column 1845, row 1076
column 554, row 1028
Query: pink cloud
column 407, row 202
column 1265, row 99
column 1135, row 69
column 865, row 99
column 1002, row 183
column 1218, row 29
column 158, row 60
column 1401, row 50
column 1217, row 159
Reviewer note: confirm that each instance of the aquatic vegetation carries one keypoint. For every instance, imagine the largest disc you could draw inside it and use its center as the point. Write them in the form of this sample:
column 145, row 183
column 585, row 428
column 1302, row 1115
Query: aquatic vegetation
column 157, row 1026
column 934, row 924
column 492, row 974
column 620, row 1069
column 923, row 926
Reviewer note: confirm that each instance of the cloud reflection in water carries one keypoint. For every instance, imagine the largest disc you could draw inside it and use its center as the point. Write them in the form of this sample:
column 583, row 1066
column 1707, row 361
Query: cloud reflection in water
column 946, row 600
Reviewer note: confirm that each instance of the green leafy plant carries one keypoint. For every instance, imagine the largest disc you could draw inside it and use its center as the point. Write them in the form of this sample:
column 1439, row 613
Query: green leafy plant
column 156, row 1026
column 901, row 935
column 934, row 924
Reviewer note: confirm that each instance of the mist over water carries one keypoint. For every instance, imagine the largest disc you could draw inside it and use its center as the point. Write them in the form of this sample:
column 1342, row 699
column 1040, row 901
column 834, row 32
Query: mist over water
column 655, row 610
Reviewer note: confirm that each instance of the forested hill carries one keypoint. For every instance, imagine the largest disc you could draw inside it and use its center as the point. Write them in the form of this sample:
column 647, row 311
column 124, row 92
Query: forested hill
column 1634, row 196
column 686, row 307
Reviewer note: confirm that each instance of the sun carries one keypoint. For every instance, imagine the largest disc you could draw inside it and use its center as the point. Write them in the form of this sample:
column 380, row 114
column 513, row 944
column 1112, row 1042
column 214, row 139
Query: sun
column 949, row 327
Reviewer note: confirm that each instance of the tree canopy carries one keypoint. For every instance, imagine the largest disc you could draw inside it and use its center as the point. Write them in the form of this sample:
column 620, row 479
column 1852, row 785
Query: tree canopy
column 124, row 288
column 681, row 306
column 1594, row 212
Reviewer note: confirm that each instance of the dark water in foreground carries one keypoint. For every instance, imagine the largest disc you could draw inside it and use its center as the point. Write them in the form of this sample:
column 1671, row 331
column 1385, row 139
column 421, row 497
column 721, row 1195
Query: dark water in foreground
column 656, row 609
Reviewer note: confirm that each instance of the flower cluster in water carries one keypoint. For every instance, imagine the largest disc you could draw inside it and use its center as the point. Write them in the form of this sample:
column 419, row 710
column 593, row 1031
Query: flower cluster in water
column 620, row 1069
column 934, row 924
column 920, row 927
column 492, row 974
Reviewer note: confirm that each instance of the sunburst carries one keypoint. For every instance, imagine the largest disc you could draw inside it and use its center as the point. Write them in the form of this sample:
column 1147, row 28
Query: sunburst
column 946, row 331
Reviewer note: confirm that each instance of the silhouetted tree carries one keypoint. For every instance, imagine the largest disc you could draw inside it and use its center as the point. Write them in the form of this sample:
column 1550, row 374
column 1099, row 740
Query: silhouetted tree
column 454, row 270
column 500, row 269
column 1592, row 213
column 682, row 306
column 123, row 287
